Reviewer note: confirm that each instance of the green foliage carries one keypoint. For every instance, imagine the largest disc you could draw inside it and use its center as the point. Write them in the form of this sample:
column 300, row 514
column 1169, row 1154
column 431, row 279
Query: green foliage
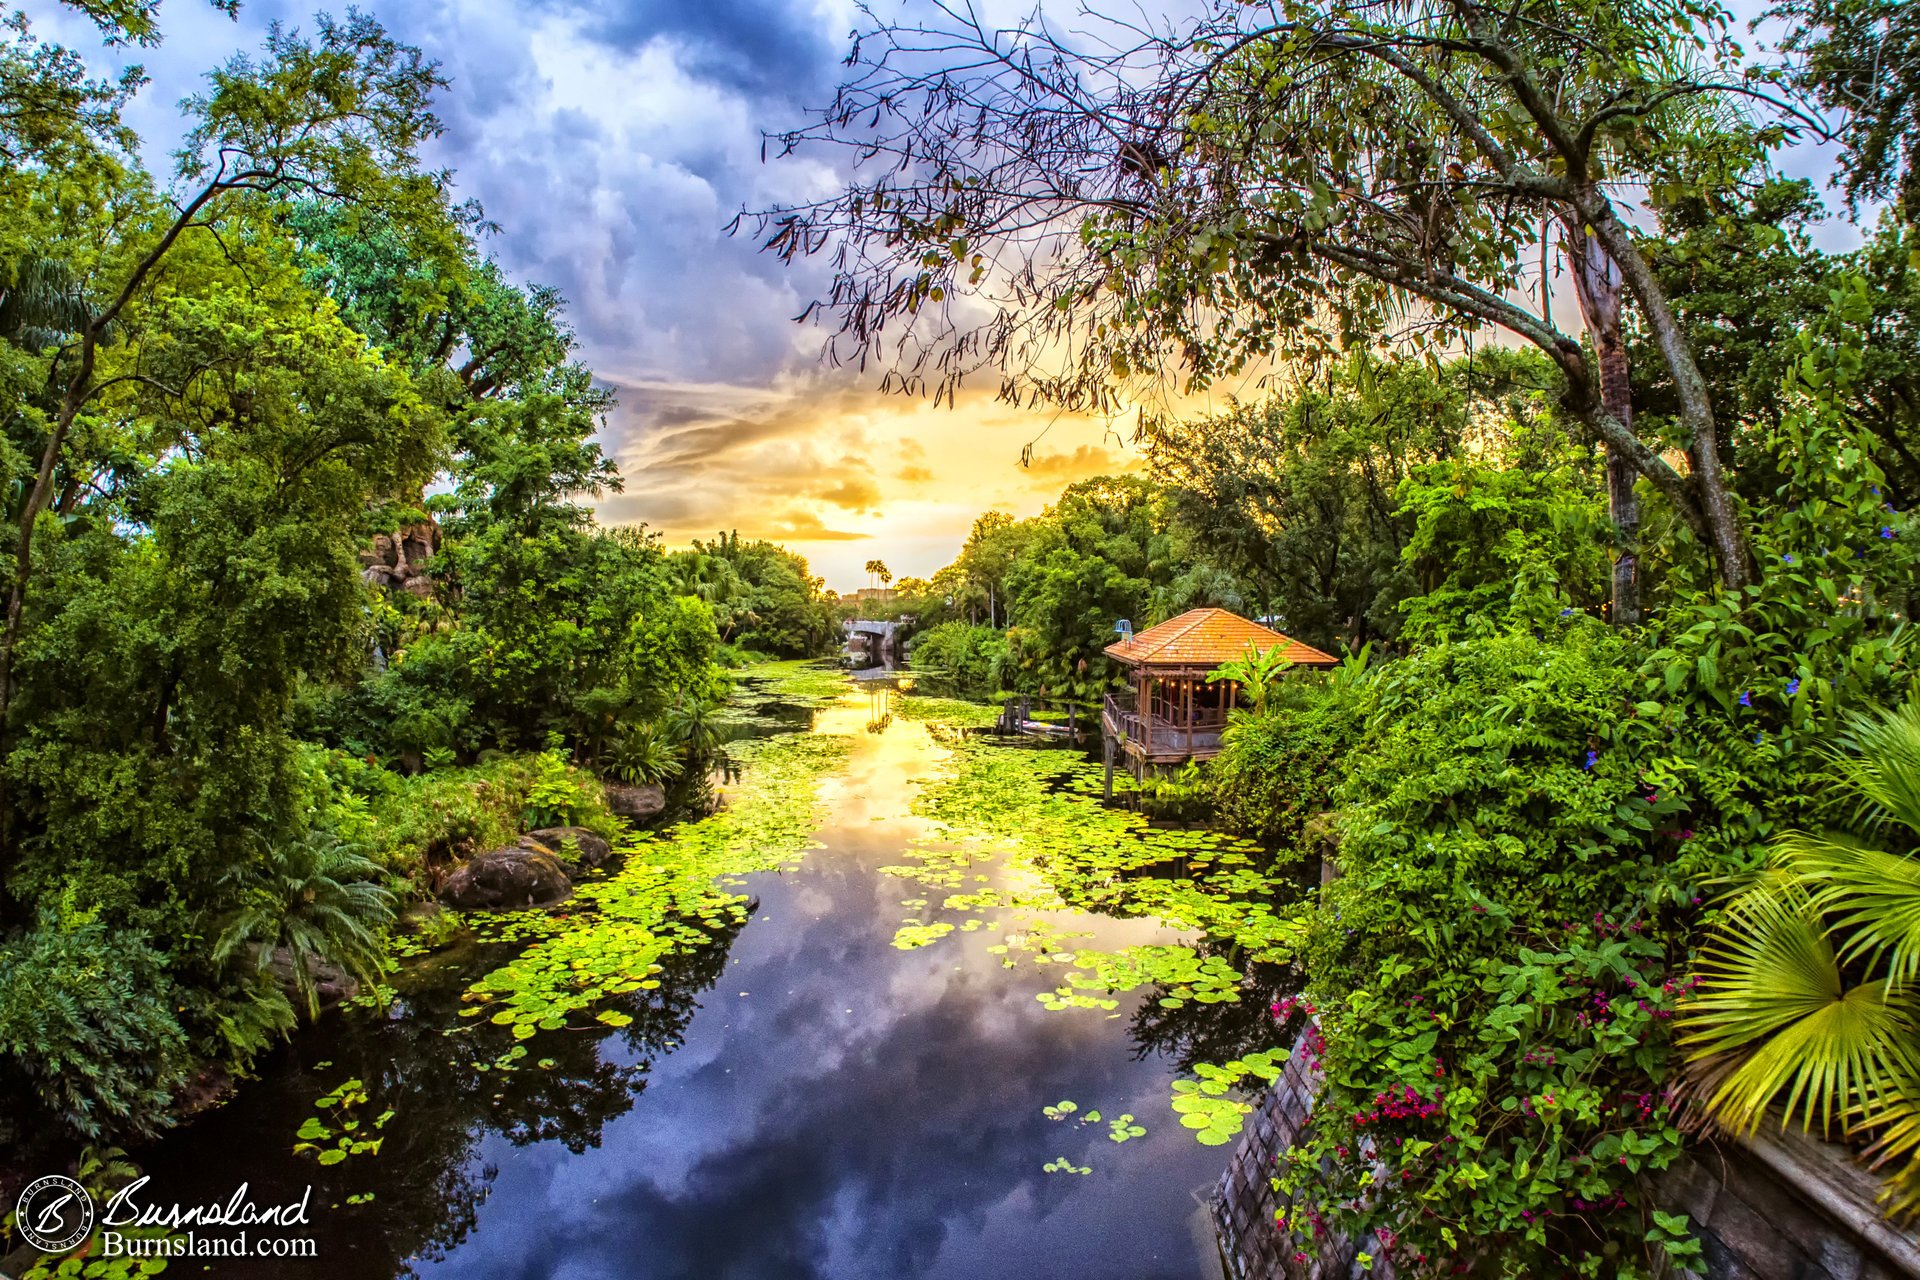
column 87, row 1019
column 763, row 596
column 643, row 753
column 1090, row 560
column 1257, row 671
column 1493, row 969
column 693, row 723
column 316, row 900
column 970, row 661
column 1300, row 495
column 1277, row 770
column 1806, row 988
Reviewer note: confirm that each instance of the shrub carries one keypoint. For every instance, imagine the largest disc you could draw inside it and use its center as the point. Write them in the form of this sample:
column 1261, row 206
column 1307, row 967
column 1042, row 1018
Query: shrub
column 961, row 659
column 1494, row 970
column 1277, row 769
column 87, row 1025
column 642, row 754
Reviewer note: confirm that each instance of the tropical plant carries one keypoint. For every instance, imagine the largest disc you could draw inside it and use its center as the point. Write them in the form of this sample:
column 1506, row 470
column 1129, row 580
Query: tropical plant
column 693, row 723
column 643, row 754
column 555, row 796
column 1258, row 671
column 1806, row 992
column 87, row 1015
column 310, row 902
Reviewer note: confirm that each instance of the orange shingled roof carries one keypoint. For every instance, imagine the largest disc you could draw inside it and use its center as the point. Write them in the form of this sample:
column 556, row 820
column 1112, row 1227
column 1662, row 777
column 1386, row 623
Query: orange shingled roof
column 1207, row 638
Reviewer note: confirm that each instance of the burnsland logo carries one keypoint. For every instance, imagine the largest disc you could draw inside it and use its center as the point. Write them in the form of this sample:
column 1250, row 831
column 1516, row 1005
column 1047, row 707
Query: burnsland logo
column 54, row 1214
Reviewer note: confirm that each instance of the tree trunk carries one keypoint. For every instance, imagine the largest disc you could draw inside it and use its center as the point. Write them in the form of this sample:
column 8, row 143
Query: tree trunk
column 1724, row 531
column 1598, row 285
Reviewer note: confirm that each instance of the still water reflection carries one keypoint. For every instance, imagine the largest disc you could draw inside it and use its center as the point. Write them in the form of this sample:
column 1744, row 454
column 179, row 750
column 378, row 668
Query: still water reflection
column 801, row 1099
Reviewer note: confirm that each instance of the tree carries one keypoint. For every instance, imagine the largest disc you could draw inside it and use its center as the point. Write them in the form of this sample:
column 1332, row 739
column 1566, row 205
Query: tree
column 1267, row 182
column 878, row 569
column 1862, row 58
column 341, row 114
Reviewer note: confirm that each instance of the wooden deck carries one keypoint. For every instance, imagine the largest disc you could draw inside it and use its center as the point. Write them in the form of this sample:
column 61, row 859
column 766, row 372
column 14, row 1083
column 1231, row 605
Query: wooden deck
column 1163, row 741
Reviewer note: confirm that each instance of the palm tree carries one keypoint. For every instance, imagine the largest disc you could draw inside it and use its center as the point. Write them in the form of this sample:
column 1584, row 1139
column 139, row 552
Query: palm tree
column 878, row 569
column 1807, row 993
column 316, row 900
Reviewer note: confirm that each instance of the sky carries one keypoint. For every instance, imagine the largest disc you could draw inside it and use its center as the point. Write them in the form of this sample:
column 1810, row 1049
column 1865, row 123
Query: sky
column 612, row 141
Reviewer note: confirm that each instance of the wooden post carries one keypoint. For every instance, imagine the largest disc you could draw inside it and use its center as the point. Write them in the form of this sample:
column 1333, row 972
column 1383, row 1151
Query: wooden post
column 1106, row 754
column 1146, row 712
column 1189, row 743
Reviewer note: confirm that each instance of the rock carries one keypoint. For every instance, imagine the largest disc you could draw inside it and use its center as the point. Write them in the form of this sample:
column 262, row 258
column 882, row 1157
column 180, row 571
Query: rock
column 637, row 804
column 502, row 879
column 593, row 849
column 331, row 983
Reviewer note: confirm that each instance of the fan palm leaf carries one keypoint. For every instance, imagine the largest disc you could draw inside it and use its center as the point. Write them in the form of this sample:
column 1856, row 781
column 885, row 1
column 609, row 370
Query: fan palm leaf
column 1872, row 895
column 1895, row 1118
column 1773, row 1016
column 1879, row 762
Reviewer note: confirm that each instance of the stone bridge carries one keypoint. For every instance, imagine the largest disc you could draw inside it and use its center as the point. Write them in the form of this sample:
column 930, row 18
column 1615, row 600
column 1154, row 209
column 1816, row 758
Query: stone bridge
column 880, row 638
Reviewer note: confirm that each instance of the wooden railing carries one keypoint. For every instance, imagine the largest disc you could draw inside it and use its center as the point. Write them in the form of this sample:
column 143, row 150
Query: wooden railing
column 1169, row 739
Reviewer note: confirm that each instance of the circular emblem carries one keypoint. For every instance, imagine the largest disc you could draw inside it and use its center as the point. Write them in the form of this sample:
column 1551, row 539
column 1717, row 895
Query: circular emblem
column 54, row 1214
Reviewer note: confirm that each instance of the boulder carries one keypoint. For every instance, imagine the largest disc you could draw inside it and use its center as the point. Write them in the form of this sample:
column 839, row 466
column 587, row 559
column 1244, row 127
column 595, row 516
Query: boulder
column 502, row 879
column 637, row 804
column 594, row 849
column 331, row 983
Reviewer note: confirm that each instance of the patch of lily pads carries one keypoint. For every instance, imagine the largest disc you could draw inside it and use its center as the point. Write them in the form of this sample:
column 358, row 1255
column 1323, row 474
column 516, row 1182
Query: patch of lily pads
column 670, row 895
column 1040, row 817
column 338, row 1129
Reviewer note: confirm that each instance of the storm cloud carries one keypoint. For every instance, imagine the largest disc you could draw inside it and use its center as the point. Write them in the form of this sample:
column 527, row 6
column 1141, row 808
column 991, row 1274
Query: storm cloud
column 612, row 141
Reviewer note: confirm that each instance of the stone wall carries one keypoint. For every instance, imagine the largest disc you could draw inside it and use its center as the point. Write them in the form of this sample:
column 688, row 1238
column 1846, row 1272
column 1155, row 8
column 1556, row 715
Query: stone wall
column 1782, row 1206
column 1245, row 1205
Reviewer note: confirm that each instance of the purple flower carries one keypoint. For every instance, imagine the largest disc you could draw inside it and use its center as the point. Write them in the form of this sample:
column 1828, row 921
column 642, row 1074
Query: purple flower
column 1793, row 686
column 1746, row 698
column 1566, row 613
column 1886, row 531
column 1759, row 738
column 1786, row 559
column 1591, row 757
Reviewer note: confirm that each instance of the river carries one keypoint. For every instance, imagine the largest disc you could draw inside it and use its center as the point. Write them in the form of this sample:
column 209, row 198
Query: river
column 849, row 1080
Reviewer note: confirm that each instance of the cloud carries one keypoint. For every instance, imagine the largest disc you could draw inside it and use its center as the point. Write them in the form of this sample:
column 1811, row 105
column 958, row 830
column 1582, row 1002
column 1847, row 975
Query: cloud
column 1079, row 464
column 612, row 142
column 856, row 493
column 804, row 526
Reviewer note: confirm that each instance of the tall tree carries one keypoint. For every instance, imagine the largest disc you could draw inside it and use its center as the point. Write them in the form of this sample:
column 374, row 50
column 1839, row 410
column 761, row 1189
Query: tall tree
column 1269, row 181
column 1597, row 284
column 340, row 116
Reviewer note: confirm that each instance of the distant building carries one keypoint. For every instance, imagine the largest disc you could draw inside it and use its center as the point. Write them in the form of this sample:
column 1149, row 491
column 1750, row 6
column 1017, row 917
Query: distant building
column 874, row 595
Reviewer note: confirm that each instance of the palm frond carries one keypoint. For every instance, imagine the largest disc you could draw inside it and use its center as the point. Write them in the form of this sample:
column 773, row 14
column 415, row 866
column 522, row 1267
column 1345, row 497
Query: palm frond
column 1873, row 895
column 1895, row 1118
column 1878, row 760
column 1773, row 1017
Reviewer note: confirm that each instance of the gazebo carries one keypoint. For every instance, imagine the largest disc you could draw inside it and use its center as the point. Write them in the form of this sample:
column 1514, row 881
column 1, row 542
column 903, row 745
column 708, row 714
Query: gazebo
column 1173, row 714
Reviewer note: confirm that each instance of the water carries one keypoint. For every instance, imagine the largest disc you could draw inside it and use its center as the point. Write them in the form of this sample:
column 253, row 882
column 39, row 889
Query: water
column 800, row 1100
